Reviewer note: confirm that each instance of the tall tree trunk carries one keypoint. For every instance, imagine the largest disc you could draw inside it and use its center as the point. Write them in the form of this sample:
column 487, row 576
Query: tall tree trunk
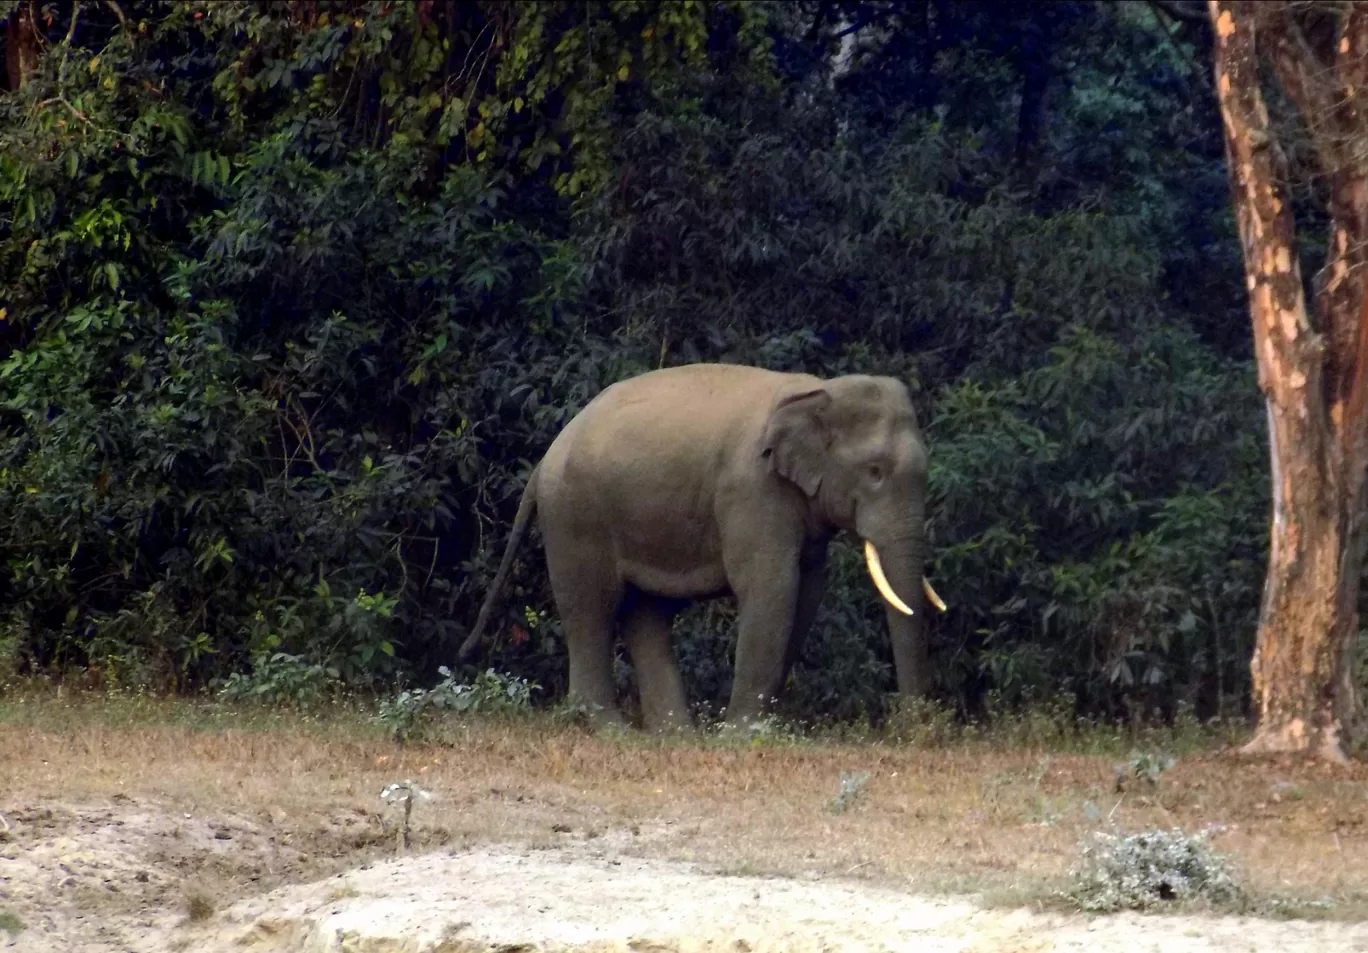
column 21, row 46
column 1034, row 64
column 1312, row 374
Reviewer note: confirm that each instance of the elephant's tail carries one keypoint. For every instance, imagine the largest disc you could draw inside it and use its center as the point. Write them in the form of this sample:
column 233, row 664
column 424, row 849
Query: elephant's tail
column 525, row 508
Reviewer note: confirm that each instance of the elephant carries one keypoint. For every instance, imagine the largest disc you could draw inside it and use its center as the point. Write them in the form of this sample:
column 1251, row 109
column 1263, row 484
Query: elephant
column 707, row 480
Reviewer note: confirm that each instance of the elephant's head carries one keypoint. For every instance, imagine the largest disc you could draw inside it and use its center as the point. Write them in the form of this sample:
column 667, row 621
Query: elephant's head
column 852, row 445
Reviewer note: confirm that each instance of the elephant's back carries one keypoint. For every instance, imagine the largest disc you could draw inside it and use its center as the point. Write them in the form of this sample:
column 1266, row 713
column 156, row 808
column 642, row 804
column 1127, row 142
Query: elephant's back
column 651, row 449
column 680, row 410
column 694, row 385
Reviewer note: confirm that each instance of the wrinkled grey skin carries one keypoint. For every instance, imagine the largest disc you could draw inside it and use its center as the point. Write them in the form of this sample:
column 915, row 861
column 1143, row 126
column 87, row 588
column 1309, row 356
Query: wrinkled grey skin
column 707, row 480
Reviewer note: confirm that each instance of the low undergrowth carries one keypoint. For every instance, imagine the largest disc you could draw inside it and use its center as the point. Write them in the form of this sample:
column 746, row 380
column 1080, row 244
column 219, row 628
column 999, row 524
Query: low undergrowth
column 433, row 715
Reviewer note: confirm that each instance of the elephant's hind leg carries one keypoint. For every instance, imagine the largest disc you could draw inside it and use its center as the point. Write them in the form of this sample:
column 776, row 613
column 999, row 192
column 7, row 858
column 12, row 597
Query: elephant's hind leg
column 647, row 621
column 588, row 593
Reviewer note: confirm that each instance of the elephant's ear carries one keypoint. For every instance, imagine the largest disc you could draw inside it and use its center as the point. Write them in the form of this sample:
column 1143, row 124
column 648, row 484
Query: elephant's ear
column 796, row 438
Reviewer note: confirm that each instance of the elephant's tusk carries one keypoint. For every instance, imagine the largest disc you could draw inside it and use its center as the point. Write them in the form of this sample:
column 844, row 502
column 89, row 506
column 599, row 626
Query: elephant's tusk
column 881, row 581
column 931, row 594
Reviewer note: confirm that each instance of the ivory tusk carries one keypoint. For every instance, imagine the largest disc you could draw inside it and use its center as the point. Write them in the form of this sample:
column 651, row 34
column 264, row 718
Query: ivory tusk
column 931, row 594
column 881, row 581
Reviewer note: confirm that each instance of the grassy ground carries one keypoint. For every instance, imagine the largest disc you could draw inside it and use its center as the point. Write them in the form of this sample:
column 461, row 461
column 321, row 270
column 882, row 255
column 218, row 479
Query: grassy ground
column 998, row 812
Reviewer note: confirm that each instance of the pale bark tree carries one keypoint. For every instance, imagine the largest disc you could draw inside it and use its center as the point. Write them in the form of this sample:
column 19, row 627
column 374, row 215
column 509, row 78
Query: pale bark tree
column 1313, row 362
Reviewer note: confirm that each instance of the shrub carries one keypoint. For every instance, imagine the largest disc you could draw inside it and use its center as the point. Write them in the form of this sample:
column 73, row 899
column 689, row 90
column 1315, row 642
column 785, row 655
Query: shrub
column 283, row 679
column 1150, row 869
column 409, row 713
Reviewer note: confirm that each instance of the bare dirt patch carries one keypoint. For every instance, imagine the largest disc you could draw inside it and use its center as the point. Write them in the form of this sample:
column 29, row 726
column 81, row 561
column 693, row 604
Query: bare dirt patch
column 501, row 899
column 100, row 876
column 589, row 895
column 153, row 836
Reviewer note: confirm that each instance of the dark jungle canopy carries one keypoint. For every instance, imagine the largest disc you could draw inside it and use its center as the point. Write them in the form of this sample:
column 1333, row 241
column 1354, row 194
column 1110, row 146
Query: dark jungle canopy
column 294, row 293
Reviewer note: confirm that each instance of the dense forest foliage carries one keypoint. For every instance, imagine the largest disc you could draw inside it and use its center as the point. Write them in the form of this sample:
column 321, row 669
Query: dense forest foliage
column 295, row 293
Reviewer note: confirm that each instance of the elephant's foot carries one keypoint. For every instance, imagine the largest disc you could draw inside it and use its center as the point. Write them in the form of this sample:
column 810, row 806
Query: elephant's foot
column 747, row 724
column 731, row 730
column 670, row 723
column 746, row 709
column 593, row 714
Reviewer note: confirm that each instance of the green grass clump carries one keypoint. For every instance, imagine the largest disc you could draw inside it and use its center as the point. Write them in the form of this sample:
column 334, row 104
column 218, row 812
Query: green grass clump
column 10, row 923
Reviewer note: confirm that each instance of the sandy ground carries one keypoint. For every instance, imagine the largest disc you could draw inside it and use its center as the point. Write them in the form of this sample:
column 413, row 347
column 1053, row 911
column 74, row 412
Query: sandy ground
column 119, row 875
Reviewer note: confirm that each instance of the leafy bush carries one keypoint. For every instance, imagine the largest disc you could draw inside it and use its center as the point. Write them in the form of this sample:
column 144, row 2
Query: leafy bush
column 280, row 678
column 409, row 713
column 1144, row 766
column 1150, row 869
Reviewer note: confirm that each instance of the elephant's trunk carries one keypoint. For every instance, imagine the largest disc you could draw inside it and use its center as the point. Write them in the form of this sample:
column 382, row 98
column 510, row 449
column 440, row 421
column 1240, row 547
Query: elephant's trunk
column 896, row 566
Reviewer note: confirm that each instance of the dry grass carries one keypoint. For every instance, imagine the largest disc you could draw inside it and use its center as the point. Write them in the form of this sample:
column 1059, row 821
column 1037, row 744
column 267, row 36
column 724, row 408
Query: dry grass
column 973, row 817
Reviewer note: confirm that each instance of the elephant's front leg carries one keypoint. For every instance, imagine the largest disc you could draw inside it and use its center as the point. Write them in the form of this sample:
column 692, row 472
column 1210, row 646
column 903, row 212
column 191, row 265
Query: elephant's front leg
column 812, row 586
column 767, row 595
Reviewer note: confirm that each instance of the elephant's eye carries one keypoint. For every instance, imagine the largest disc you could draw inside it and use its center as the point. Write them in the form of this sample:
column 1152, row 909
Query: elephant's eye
column 876, row 473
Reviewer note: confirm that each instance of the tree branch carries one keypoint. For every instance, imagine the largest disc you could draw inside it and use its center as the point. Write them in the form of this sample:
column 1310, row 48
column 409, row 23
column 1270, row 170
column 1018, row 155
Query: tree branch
column 880, row 14
column 1179, row 11
column 1325, row 97
column 119, row 14
column 66, row 46
column 1192, row 64
column 815, row 30
column 1307, row 92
